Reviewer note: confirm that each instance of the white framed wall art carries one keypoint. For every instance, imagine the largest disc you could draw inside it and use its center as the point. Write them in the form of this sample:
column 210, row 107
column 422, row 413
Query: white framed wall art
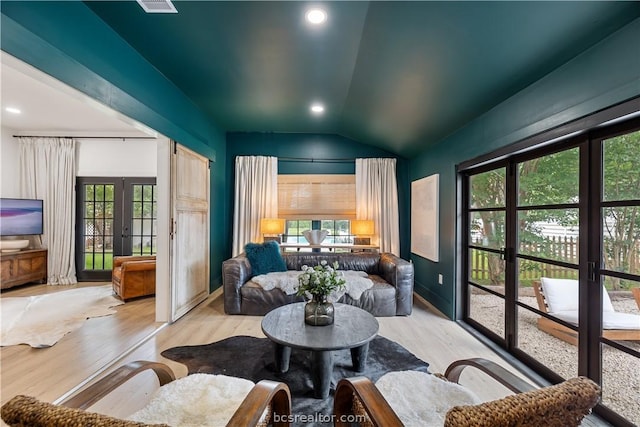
column 424, row 217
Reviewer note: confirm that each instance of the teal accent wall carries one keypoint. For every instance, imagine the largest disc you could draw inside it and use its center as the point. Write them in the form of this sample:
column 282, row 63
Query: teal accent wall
column 69, row 42
column 319, row 147
column 602, row 76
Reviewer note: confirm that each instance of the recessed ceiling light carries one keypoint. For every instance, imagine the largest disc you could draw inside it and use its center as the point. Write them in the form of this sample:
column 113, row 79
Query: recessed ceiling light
column 316, row 16
column 317, row 109
column 13, row 110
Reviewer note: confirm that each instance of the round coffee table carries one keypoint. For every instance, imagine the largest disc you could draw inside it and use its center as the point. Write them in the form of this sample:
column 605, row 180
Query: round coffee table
column 353, row 328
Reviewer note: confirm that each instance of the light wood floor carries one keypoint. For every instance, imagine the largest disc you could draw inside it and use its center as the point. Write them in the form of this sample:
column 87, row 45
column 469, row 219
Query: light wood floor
column 105, row 343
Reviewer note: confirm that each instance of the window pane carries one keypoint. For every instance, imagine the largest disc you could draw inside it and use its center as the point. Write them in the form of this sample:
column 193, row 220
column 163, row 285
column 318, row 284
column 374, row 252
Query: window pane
column 136, row 243
column 137, row 193
column 487, row 309
column 620, row 390
column 549, row 234
column 108, row 209
column 89, row 192
column 551, row 179
column 148, row 192
column 621, row 238
column 88, row 210
column 487, row 268
column 531, row 271
column 487, row 229
column 618, row 301
column 535, row 339
column 621, row 165
column 108, row 192
column 488, row 189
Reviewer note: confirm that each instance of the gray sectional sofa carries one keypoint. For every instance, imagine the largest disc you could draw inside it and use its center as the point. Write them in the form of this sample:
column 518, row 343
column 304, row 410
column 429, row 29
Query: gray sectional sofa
column 391, row 294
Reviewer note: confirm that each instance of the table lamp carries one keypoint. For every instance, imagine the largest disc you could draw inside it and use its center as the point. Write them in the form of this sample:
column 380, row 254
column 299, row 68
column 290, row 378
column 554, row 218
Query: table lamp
column 272, row 229
column 362, row 227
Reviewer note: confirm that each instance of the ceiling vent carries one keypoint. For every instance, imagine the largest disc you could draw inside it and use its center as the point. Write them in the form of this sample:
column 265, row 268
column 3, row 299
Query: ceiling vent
column 157, row 6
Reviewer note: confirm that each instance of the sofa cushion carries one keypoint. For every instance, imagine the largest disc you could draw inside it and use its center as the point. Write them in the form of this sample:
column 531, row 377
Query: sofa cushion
column 380, row 300
column 264, row 257
column 368, row 262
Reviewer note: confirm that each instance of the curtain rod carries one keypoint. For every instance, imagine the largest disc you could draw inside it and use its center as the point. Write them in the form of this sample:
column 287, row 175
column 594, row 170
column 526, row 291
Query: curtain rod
column 312, row 160
column 85, row 137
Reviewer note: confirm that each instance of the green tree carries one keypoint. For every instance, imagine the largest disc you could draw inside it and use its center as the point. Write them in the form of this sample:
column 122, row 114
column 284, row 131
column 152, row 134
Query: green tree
column 621, row 225
column 553, row 180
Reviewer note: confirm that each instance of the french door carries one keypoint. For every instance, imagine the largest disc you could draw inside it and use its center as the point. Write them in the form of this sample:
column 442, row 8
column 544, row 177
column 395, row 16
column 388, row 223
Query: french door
column 115, row 216
column 571, row 211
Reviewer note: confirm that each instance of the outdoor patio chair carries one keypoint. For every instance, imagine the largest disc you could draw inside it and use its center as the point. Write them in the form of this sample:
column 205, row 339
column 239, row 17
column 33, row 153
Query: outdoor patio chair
column 255, row 408
column 559, row 298
column 561, row 405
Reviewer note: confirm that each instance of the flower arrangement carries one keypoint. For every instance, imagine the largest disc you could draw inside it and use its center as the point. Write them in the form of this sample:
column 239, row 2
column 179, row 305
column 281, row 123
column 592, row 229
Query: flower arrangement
column 321, row 280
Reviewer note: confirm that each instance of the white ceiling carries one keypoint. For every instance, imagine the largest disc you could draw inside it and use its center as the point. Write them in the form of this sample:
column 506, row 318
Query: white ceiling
column 51, row 108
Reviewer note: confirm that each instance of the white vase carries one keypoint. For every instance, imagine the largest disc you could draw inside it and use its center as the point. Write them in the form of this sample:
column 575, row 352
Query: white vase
column 315, row 237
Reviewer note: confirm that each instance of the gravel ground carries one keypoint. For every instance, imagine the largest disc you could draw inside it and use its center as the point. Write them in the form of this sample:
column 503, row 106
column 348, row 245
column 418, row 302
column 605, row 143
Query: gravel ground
column 621, row 372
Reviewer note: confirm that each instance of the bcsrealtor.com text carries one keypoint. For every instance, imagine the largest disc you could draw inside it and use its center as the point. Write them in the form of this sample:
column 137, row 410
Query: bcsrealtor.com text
column 318, row 418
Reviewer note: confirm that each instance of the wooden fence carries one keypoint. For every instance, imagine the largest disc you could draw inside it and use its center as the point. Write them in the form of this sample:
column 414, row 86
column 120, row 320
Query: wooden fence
column 556, row 248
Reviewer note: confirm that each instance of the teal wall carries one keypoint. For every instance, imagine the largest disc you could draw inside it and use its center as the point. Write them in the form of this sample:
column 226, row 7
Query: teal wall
column 316, row 146
column 68, row 41
column 602, row 76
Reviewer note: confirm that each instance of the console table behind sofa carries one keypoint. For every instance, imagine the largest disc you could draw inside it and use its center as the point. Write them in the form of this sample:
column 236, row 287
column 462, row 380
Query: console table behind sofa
column 391, row 294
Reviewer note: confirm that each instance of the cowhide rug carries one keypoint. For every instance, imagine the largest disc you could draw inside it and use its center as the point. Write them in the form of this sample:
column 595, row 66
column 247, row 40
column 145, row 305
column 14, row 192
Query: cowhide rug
column 40, row 321
column 253, row 359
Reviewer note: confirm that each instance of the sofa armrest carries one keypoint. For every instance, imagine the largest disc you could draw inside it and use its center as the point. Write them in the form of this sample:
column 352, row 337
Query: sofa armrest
column 235, row 273
column 119, row 260
column 399, row 273
column 138, row 265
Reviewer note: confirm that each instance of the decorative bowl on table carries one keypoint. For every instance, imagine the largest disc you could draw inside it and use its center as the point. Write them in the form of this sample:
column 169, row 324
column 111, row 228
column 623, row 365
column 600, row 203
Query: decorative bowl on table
column 315, row 237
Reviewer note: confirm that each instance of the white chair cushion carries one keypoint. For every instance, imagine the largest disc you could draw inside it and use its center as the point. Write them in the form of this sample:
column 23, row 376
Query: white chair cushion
column 610, row 320
column 562, row 295
column 421, row 399
column 195, row 400
column 620, row 321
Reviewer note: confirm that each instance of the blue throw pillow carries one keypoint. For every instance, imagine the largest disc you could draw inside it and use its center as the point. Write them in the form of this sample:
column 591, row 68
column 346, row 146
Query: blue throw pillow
column 264, row 257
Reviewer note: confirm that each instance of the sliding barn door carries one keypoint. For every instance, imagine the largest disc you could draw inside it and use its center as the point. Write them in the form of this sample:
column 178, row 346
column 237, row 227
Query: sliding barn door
column 190, row 230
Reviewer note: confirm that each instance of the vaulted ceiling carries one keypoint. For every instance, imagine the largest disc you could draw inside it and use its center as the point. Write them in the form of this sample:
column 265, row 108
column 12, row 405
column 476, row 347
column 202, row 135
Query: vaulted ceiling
column 396, row 75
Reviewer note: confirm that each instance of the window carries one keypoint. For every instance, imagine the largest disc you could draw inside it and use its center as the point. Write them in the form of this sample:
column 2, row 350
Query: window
column 317, row 197
column 317, row 202
column 567, row 210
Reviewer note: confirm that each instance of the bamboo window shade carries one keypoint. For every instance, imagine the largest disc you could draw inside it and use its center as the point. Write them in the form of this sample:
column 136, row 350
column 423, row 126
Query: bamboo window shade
column 317, row 197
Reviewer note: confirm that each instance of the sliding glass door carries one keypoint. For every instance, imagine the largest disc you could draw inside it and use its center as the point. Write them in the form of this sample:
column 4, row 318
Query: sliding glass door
column 569, row 212
column 115, row 216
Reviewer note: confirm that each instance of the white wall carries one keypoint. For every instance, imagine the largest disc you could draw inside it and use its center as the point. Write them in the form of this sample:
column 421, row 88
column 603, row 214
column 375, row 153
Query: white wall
column 115, row 157
column 9, row 164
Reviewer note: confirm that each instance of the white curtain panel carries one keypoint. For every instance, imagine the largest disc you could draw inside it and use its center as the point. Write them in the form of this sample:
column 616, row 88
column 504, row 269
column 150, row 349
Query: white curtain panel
column 256, row 197
column 377, row 199
column 47, row 172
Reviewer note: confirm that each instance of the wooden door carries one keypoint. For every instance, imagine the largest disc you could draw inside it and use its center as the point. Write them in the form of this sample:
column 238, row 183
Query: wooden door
column 190, row 230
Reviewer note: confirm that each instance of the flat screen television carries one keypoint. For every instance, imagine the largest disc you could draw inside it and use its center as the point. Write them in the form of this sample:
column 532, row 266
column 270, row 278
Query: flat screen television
column 20, row 217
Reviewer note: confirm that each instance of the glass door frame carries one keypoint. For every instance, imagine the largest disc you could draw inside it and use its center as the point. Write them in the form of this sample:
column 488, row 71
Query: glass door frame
column 591, row 251
column 122, row 221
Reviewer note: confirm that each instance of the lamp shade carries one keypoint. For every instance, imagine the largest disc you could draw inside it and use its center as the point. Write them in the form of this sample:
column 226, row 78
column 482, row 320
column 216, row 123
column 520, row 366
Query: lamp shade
column 272, row 226
column 362, row 227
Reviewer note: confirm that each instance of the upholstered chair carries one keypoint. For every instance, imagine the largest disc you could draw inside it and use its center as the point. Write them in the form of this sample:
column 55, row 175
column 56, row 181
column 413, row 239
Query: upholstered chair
column 172, row 404
column 134, row 276
column 408, row 403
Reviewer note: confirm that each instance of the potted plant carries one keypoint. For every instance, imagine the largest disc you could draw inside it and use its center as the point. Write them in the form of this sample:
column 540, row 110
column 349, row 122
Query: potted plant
column 317, row 283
